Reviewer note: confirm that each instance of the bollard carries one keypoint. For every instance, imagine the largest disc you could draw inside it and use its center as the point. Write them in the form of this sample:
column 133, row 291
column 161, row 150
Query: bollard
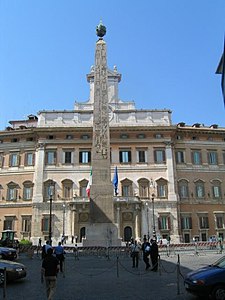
column 117, row 266
column 159, row 265
column 64, row 267
column 178, row 274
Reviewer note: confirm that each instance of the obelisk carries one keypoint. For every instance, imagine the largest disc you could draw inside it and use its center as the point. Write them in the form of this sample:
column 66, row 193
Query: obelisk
column 101, row 230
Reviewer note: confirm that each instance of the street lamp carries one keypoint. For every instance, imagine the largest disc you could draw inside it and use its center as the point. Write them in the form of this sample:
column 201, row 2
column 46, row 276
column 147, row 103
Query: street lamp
column 152, row 186
column 147, row 218
column 51, row 191
column 64, row 211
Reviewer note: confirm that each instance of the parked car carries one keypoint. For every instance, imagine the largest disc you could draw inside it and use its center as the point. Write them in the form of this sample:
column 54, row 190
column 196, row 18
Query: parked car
column 207, row 281
column 14, row 270
column 8, row 253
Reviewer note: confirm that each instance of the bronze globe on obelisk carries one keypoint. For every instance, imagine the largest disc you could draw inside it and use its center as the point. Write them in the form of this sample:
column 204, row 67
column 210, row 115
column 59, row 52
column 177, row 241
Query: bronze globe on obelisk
column 102, row 230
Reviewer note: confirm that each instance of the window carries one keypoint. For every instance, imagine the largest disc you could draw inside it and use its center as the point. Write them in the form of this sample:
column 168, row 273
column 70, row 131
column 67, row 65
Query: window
column 45, row 224
column 162, row 188
column 183, row 189
column 143, row 188
column 1, row 160
column 164, row 222
column 203, row 222
column 219, row 221
column 196, row 157
column 216, row 189
column 12, row 191
column 27, row 190
column 224, row 157
column 67, row 157
column 14, row 160
column 159, row 156
column 180, row 157
column 8, row 223
column 186, row 222
column 83, row 186
column 84, row 157
column 158, row 136
column 199, row 189
column 29, row 159
column 26, row 224
column 141, row 156
column 49, row 189
column 127, row 189
column 67, row 189
column 212, row 158
column 51, row 157
column 125, row 156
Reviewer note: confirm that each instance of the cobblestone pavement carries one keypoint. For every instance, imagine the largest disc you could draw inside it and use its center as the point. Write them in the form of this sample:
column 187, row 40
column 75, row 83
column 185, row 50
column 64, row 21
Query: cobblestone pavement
column 100, row 278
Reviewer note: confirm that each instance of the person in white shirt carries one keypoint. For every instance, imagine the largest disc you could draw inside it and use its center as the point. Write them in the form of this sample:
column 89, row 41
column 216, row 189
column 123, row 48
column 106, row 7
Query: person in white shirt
column 135, row 249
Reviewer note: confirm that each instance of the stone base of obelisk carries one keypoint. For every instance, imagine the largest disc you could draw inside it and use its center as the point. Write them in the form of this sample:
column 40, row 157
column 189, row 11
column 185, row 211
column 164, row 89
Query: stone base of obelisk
column 102, row 235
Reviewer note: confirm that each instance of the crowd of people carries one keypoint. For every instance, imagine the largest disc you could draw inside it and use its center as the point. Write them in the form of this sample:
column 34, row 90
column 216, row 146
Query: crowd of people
column 149, row 251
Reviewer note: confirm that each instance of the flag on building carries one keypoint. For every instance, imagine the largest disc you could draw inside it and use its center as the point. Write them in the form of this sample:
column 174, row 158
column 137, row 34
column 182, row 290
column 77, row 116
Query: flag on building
column 223, row 74
column 115, row 181
column 88, row 188
column 221, row 70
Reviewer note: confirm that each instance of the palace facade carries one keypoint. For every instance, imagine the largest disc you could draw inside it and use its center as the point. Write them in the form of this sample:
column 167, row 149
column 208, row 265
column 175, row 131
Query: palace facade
column 170, row 176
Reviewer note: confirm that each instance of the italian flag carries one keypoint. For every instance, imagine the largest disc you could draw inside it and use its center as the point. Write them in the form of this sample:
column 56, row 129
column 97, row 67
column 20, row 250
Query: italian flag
column 88, row 188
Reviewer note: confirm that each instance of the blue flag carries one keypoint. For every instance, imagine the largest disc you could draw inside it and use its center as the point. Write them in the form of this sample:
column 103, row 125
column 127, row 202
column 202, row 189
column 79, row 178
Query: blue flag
column 223, row 74
column 115, row 181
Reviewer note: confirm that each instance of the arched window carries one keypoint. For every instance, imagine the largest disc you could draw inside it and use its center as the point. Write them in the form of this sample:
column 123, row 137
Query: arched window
column 143, row 188
column 183, row 189
column 162, row 188
column 67, row 189
column 12, row 191
column 127, row 233
column 83, row 185
column 49, row 189
column 199, row 189
column 127, row 189
column 27, row 190
column 216, row 189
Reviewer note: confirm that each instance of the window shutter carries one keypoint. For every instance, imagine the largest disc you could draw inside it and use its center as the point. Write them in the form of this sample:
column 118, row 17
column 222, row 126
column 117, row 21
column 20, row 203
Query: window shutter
column 155, row 156
column 42, row 224
column 33, row 159
column 121, row 157
column 169, row 222
column 80, row 157
column 164, row 155
column 182, row 223
column 55, row 157
column 89, row 156
column 129, row 156
column 190, row 222
column 159, row 223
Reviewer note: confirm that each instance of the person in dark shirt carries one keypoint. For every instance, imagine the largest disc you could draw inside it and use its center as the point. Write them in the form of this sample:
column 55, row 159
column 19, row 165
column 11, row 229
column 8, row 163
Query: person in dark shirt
column 146, row 251
column 154, row 253
column 50, row 268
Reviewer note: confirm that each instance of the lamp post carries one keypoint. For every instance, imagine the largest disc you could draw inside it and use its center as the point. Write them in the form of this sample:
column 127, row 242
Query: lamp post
column 51, row 190
column 152, row 186
column 147, row 218
column 153, row 217
column 64, row 211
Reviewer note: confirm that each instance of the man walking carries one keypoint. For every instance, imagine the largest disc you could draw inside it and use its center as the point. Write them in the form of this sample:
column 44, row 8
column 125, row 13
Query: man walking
column 50, row 268
column 59, row 252
column 146, row 251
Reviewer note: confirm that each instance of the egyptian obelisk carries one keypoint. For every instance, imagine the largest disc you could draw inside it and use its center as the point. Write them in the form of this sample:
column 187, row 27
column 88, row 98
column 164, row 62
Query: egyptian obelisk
column 101, row 230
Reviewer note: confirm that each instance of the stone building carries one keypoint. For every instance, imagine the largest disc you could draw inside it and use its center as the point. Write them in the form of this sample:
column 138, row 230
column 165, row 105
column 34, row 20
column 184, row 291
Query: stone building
column 170, row 177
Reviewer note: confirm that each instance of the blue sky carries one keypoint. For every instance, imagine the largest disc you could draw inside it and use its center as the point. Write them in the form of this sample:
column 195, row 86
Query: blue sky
column 166, row 50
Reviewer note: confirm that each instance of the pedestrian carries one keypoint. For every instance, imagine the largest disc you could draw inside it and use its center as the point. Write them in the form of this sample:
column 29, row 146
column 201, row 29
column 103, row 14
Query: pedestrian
column 145, row 247
column 75, row 250
column 59, row 252
column 135, row 249
column 50, row 269
column 45, row 249
column 154, row 253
